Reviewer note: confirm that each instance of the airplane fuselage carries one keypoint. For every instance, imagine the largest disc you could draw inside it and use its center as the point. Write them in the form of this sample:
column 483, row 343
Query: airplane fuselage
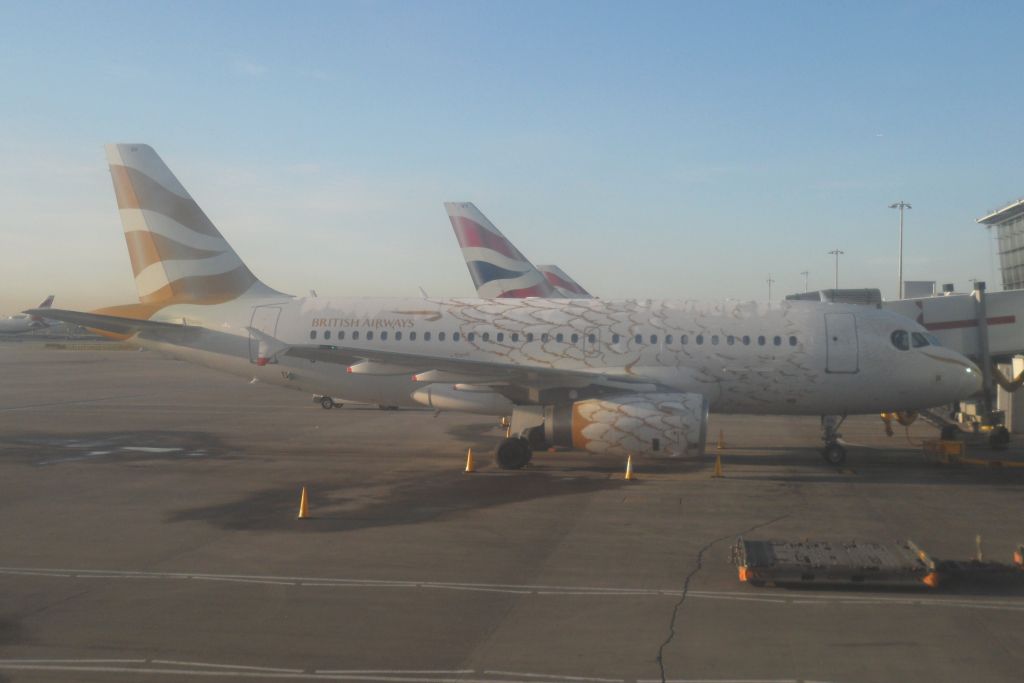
column 795, row 358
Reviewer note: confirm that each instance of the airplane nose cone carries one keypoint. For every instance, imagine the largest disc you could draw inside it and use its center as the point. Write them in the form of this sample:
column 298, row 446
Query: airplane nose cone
column 972, row 380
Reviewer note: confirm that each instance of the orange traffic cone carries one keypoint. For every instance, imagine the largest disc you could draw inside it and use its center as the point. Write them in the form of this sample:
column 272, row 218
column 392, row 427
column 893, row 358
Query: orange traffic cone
column 304, row 505
column 469, row 461
column 629, row 468
column 718, row 466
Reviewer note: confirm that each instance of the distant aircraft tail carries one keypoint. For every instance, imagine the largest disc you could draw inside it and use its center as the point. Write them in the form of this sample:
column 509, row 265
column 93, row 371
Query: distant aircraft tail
column 177, row 254
column 563, row 284
column 47, row 303
column 498, row 269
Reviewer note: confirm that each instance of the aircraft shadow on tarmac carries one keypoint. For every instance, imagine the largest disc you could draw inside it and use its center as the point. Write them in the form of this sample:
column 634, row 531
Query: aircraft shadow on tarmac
column 339, row 506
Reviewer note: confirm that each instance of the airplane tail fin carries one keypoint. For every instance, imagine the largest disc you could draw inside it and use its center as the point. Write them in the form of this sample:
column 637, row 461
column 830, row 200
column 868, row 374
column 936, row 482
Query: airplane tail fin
column 498, row 269
column 46, row 302
column 564, row 284
column 177, row 254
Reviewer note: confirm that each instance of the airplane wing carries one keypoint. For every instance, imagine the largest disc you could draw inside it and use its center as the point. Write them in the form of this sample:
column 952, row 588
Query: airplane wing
column 107, row 323
column 463, row 371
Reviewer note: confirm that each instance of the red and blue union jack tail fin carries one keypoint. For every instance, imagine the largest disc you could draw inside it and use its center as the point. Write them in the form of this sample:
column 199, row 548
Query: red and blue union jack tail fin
column 563, row 284
column 498, row 269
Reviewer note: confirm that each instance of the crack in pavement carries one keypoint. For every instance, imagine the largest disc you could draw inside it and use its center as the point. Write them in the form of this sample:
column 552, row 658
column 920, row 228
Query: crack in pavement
column 698, row 565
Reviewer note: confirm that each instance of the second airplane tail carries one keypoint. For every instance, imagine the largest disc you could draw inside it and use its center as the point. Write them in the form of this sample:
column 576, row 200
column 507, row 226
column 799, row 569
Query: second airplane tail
column 498, row 269
column 177, row 254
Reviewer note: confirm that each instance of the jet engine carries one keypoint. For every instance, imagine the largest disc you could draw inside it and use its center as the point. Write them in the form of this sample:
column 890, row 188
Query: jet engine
column 668, row 425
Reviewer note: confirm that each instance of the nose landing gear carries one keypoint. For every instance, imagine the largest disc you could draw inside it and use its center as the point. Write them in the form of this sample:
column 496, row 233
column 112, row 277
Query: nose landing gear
column 833, row 452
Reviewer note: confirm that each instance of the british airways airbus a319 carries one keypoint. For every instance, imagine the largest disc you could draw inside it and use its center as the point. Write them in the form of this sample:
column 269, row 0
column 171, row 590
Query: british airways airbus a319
column 597, row 375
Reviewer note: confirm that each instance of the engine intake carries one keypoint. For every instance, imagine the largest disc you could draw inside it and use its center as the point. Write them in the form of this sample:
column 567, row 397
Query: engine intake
column 667, row 425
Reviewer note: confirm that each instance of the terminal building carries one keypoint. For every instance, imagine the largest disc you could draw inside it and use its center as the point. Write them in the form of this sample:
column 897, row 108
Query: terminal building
column 1009, row 226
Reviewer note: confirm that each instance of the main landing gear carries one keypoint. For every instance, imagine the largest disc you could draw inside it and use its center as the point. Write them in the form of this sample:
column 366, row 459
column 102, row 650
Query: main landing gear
column 833, row 452
column 513, row 453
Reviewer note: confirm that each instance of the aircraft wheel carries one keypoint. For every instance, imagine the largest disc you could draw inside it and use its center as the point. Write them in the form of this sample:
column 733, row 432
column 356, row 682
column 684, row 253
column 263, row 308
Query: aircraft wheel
column 513, row 454
column 999, row 438
column 834, row 454
column 327, row 403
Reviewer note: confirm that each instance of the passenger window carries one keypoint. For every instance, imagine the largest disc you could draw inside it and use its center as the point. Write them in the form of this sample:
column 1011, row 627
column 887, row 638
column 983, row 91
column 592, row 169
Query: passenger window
column 529, row 336
column 559, row 337
column 668, row 339
column 575, row 338
column 355, row 335
column 398, row 336
column 792, row 341
column 440, row 336
column 412, row 336
column 327, row 334
column 638, row 339
column 699, row 339
column 471, row 336
column 592, row 338
column 312, row 334
column 455, row 336
column 901, row 340
column 501, row 336
column 684, row 339
column 918, row 340
column 615, row 339
column 714, row 339
column 341, row 334
column 746, row 340
column 426, row 336
column 515, row 336
column 369, row 336
column 486, row 336
column 544, row 337
column 654, row 339
column 777, row 341
column 730, row 340
column 760, row 340
column 384, row 335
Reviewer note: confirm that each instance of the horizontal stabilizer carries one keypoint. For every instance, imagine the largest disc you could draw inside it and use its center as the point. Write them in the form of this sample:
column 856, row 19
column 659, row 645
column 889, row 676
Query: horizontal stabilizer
column 107, row 323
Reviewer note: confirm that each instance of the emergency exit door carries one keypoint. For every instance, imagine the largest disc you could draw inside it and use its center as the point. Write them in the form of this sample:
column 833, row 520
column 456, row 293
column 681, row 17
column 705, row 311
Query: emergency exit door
column 841, row 352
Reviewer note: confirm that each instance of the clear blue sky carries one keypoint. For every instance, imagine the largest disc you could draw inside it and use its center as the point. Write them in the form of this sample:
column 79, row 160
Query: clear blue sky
column 650, row 149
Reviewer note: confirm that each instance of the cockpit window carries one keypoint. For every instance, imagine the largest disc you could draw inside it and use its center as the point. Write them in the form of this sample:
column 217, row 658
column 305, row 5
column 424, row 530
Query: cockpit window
column 932, row 339
column 901, row 340
column 919, row 340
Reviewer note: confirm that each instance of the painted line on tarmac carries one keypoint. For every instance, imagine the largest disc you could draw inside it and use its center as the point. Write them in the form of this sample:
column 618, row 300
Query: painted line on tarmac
column 801, row 599
column 33, row 406
column 207, row 670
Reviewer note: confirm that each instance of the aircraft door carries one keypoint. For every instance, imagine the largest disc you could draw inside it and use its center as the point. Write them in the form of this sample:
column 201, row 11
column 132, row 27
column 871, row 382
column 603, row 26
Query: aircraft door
column 264, row 319
column 841, row 351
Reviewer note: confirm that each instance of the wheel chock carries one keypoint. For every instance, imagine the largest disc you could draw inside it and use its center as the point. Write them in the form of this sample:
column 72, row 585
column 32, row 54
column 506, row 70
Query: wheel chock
column 629, row 468
column 469, row 462
column 718, row 467
column 303, row 505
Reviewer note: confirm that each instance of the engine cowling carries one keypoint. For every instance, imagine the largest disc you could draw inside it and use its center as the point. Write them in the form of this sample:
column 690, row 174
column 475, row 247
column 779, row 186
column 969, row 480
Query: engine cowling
column 666, row 425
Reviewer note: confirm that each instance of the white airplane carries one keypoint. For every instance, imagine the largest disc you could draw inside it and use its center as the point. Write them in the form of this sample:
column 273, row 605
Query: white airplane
column 23, row 322
column 498, row 269
column 601, row 376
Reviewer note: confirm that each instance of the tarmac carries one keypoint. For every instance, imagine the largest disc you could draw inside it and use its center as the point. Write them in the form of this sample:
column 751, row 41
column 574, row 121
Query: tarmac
column 148, row 532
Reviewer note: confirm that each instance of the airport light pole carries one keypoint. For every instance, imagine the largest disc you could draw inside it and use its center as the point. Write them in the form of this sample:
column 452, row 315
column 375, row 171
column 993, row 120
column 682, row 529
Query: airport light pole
column 837, row 253
column 770, row 281
column 900, row 205
column 805, row 273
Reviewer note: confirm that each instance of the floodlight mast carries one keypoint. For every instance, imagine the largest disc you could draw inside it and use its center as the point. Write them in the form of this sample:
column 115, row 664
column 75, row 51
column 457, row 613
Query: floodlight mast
column 901, row 205
column 837, row 253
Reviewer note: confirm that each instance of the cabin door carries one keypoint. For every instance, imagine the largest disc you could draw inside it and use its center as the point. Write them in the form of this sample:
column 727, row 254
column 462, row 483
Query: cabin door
column 841, row 343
